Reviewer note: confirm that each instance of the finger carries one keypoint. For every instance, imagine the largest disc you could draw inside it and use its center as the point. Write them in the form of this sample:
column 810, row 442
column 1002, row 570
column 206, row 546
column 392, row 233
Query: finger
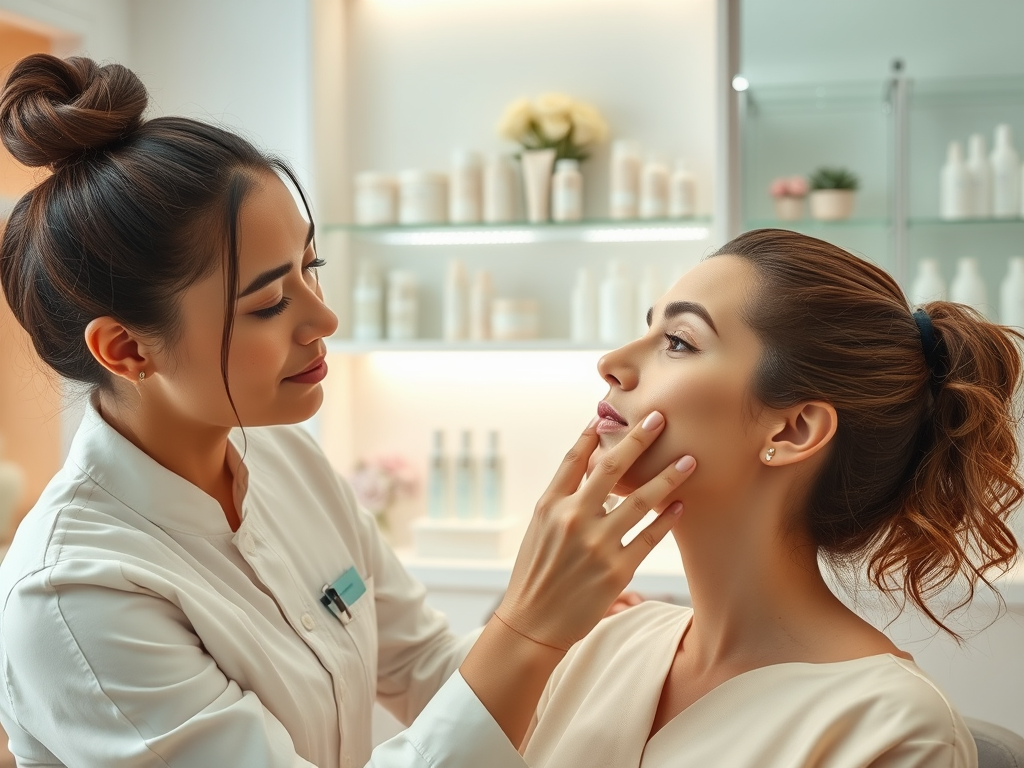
column 614, row 463
column 631, row 510
column 574, row 466
column 648, row 538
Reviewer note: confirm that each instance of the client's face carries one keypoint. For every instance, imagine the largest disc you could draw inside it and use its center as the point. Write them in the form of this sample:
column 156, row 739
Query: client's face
column 694, row 365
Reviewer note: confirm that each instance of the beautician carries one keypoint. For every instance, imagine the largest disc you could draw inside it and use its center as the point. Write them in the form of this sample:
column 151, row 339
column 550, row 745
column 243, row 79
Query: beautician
column 196, row 587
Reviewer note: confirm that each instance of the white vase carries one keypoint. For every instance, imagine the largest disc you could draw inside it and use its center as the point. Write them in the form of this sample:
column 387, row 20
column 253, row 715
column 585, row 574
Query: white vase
column 788, row 208
column 831, row 204
column 537, row 165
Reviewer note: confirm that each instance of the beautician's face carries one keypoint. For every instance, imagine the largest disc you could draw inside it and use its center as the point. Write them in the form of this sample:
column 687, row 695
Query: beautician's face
column 280, row 324
column 694, row 365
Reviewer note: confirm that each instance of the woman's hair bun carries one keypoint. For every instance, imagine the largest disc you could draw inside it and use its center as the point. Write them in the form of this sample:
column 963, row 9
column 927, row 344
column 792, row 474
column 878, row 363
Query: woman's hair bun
column 54, row 111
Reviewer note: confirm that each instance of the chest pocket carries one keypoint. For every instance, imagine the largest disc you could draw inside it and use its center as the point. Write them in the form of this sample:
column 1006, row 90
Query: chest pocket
column 362, row 630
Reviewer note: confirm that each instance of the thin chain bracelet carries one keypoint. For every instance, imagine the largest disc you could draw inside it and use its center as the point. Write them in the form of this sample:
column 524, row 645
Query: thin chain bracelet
column 532, row 640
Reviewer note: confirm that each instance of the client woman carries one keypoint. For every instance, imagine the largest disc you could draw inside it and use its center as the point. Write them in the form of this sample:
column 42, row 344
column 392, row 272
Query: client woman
column 830, row 423
column 188, row 594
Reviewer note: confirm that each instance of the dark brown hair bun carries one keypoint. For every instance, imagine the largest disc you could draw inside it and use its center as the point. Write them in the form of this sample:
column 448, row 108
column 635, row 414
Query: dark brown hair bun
column 54, row 111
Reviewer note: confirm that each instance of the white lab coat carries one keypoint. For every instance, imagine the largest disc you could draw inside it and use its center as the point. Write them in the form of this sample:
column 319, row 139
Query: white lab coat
column 136, row 629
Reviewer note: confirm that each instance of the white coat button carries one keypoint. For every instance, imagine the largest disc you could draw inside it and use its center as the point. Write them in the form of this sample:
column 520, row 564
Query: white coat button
column 250, row 544
column 308, row 621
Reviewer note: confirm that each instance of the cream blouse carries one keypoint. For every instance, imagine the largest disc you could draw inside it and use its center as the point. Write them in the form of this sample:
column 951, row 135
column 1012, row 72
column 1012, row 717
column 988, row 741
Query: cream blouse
column 598, row 708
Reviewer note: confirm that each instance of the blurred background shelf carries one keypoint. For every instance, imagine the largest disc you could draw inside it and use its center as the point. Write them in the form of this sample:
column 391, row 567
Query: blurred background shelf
column 352, row 347
column 518, row 233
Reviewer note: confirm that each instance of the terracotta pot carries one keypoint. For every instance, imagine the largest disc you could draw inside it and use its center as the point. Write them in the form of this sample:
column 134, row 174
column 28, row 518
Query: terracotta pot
column 789, row 208
column 832, row 204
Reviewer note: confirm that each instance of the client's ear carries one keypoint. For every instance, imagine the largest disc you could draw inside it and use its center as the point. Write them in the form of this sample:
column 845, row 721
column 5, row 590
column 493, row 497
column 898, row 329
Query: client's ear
column 801, row 432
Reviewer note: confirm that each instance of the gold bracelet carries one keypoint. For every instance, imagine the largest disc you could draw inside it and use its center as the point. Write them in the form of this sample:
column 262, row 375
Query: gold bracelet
column 531, row 639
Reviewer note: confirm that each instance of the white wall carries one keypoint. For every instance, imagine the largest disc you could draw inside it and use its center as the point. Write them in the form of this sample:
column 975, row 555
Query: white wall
column 244, row 64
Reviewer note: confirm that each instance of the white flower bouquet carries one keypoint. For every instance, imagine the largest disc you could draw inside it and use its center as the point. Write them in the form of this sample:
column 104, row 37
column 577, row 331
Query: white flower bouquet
column 554, row 121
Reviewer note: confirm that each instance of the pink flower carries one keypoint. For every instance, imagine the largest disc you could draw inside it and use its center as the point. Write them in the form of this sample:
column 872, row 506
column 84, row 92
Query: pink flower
column 778, row 188
column 797, row 186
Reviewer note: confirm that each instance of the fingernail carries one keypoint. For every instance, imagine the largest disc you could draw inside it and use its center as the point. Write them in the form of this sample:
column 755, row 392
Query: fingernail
column 685, row 464
column 653, row 421
column 593, row 421
column 674, row 508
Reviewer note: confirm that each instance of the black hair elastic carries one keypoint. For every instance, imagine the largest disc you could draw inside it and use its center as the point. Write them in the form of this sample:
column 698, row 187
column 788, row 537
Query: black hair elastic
column 932, row 346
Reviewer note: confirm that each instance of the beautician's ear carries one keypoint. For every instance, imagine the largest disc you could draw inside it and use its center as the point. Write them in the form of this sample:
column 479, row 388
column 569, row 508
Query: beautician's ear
column 117, row 349
column 802, row 432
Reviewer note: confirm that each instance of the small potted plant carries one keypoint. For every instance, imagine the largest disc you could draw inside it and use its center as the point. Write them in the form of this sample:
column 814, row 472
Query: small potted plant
column 553, row 127
column 832, row 193
column 789, row 192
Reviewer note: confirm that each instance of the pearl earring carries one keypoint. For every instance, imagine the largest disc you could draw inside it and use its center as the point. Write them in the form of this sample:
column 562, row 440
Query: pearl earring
column 770, row 454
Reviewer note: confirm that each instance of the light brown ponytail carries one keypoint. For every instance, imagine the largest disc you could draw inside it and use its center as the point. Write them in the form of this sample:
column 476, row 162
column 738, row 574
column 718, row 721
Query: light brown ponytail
column 921, row 474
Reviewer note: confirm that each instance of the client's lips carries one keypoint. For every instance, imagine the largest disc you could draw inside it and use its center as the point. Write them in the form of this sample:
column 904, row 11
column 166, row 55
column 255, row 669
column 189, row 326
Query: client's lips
column 609, row 419
column 314, row 374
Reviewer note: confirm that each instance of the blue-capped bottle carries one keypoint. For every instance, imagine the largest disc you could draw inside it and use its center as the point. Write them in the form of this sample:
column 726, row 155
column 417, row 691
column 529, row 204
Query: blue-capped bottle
column 438, row 498
column 492, row 480
column 465, row 479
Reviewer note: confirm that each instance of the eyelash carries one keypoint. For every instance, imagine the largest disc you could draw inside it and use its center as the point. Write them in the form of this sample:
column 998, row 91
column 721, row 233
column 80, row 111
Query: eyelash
column 675, row 340
column 282, row 305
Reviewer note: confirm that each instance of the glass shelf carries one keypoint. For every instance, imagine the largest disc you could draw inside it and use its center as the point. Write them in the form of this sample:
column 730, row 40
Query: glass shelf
column 937, row 222
column 518, row 233
column 352, row 347
column 811, row 225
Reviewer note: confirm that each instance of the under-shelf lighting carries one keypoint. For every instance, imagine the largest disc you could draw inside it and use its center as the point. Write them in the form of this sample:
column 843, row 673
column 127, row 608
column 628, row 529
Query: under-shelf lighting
column 646, row 235
column 461, row 237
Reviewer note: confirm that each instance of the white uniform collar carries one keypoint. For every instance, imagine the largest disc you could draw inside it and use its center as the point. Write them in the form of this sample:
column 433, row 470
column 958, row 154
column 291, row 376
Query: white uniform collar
column 140, row 483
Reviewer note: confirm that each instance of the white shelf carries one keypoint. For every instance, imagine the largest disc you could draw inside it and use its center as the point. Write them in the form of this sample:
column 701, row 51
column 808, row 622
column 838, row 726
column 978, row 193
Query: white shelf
column 351, row 347
column 521, row 233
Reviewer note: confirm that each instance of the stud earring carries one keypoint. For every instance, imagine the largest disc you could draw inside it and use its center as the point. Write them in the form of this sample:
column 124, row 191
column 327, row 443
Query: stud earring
column 142, row 376
column 769, row 454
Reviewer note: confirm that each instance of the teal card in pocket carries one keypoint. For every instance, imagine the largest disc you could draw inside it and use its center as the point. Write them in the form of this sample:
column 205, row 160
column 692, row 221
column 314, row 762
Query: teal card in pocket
column 350, row 586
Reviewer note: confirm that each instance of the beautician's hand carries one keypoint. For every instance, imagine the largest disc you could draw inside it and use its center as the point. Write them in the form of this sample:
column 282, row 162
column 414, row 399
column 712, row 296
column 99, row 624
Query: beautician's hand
column 572, row 564
column 570, row 568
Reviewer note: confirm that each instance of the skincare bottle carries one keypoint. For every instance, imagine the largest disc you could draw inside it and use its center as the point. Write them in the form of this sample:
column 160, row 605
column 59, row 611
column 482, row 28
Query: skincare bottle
column 464, row 188
column 402, row 305
column 654, row 190
column 625, row 179
column 1005, row 175
column 437, row 479
column 492, row 480
column 957, row 187
column 648, row 291
column 480, row 297
column 1011, row 294
column 583, row 308
column 928, row 285
column 567, row 191
column 367, row 304
column 465, row 479
column 981, row 177
column 968, row 287
column 616, row 316
column 456, row 302
column 682, row 203
column 499, row 189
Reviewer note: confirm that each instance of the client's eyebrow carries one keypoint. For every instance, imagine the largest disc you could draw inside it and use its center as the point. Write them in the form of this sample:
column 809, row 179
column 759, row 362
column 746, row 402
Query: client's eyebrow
column 266, row 278
column 677, row 308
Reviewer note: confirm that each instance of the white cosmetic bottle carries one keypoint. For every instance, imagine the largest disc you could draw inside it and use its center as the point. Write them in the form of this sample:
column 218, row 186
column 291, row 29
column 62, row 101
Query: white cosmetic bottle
column 981, row 177
column 438, row 498
column 456, row 302
column 616, row 315
column 1006, row 179
column 1011, row 294
column 403, row 306
column 928, row 285
column 583, row 308
column 968, row 287
column 682, row 198
column 654, row 182
column 625, row 179
column 481, row 296
column 367, row 304
column 499, row 179
column 464, row 188
column 957, row 187
column 648, row 291
column 492, row 480
column 465, row 479
column 567, row 191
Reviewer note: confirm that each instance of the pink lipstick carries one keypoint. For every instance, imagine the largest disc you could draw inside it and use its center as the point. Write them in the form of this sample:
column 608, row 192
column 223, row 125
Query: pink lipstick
column 610, row 421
